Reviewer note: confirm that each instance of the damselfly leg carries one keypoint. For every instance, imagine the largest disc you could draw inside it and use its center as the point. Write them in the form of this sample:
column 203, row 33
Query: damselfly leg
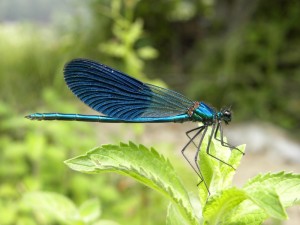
column 196, row 157
column 189, row 131
column 202, row 131
column 191, row 140
column 223, row 143
column 213, row 133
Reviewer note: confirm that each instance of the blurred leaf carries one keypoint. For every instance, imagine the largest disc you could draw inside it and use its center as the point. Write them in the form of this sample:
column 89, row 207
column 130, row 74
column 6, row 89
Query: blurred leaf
column 105, row 222
column 147, row 52
column 134, row 32
column 90, row 210
column 113, row 49
column 183, row 11
column 53, row 204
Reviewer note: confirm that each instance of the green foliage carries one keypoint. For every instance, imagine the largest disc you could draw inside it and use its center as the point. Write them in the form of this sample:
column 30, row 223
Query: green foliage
column 127, row 36
column 31, row 58
column 28, row 77
column 254, row 66
column 139, row 163
column 62, row 209
column 262, row 197
column 31, row 159
column 31, row 166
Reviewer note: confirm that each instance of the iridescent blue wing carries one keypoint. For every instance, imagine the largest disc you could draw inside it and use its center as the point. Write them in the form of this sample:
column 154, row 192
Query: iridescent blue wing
column 120, row 96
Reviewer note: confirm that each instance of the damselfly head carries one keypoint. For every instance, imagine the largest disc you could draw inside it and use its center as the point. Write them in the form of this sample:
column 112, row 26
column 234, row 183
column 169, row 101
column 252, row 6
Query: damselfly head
column 226, row 115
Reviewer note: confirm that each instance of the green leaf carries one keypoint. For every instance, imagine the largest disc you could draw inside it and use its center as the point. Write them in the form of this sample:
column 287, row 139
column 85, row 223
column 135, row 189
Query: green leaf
column 134, row 32
column 147, row 52
column 174, row 217
column 268, row 200
column 57, row 206
column 274, row 192
column 113, row 48
column 220, row 205
column 140, row 163
column 286, row 185
column 246, row 213
column 268, row 195
column 90, row 210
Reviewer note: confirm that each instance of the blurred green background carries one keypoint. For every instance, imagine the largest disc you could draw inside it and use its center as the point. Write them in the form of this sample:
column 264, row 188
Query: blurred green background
column 240, row 53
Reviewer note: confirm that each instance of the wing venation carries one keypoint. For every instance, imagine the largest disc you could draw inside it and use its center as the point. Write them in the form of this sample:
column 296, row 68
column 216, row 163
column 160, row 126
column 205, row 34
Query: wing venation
column 118, row 95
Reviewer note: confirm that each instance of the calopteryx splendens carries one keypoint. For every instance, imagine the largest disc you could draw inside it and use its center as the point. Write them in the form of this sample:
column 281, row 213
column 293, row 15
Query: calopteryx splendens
column 123, row 99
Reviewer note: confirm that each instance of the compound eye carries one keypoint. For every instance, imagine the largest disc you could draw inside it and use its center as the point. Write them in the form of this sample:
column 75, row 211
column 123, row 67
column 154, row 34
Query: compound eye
column 227, row 113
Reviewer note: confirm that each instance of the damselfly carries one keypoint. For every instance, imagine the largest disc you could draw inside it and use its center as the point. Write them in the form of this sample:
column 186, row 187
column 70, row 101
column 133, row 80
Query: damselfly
column 123, row 99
